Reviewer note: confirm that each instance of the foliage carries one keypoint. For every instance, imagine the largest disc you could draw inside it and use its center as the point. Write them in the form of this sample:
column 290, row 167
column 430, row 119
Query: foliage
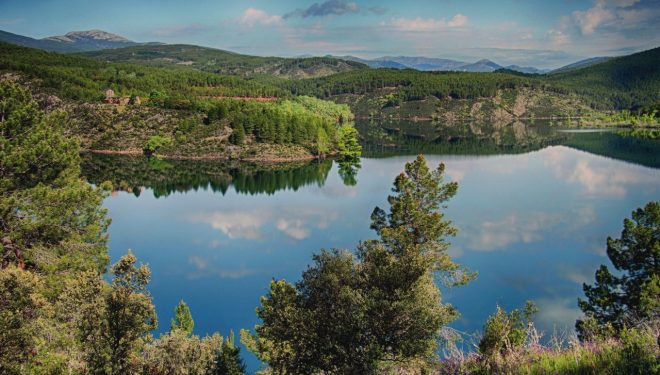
column 415, row 225
column 177, row 353
column 410, row 84
column 506, row 332
column 182, row 320
column 51, row 219
column 57, row 314
column 348, row 314
column 631, row 294
column 627, row 82
column 155, row 142
column 131, row 315
column 228, row 360
column 348, row 144
column 79, row 78
column 636, row 352
column 20, row 313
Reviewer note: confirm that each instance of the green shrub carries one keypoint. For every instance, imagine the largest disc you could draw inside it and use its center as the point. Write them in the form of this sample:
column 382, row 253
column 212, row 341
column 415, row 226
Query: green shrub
column 155, row 142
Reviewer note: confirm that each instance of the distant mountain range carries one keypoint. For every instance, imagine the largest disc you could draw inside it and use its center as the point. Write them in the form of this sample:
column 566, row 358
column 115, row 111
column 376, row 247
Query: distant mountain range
column 98, row 40
column 438, row 64
column 76, row 41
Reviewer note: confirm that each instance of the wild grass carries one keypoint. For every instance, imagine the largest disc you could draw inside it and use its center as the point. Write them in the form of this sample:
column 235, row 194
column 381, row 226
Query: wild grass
column 635, row 351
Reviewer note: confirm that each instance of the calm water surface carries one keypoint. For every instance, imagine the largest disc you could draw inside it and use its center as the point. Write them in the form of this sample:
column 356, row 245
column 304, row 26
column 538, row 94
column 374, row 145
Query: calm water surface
column 532, row 220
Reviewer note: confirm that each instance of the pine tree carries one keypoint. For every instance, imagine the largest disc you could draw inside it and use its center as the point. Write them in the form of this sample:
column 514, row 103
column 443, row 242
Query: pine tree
column 183, row 319
column 631, row 294
column 228, row 361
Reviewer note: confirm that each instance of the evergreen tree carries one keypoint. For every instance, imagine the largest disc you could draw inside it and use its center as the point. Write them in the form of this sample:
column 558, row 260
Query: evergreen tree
column 348, row 143
column 348, row 314
column 182, row 319
column 130, row 314
column 631, row 294
column 44, row 204
column 228, row 361
column 237, row 135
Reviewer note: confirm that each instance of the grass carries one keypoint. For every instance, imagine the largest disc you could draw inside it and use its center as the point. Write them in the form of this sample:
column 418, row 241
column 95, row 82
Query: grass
column 635, row 352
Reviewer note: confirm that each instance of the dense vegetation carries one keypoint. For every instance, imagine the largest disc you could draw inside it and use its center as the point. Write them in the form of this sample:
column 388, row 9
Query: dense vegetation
column 78, row 78
column 628, row 82
column 224, row 62
column 412, row 84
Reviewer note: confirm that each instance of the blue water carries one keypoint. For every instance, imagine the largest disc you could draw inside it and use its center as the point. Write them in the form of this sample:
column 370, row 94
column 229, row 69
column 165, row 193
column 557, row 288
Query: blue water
column 532, row 224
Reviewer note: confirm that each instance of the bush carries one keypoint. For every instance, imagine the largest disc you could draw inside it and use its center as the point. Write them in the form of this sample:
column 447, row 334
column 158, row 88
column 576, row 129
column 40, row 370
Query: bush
column 155, row 142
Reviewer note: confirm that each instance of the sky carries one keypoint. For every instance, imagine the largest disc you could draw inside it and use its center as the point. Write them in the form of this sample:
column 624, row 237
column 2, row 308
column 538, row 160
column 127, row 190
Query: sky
column 540, row 33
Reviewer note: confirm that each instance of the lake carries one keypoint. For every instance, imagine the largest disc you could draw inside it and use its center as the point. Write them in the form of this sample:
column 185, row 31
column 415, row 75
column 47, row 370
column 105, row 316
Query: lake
column 534, row 208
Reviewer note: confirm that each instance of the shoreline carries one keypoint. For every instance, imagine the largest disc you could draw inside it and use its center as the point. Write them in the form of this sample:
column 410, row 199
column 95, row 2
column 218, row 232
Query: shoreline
column 273, row 160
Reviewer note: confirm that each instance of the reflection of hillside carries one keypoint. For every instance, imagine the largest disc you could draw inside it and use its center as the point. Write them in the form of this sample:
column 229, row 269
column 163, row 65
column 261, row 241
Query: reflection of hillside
column 393, row 138
column 635, row 150
column 165, row 177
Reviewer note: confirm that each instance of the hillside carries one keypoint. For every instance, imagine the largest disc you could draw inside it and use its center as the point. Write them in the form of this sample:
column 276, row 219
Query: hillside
column 627, row 82
column 580, row 64
column 74, row 77
column 224, row 62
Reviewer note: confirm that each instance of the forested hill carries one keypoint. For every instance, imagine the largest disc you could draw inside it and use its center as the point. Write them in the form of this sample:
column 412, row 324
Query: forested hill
column 79, row 78
column 225, row 62
column 627, row 82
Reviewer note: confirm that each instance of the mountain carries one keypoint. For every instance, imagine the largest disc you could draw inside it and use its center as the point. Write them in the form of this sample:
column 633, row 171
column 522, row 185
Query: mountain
column 76, row 41
column 225, row 62
column 373, row 63
column 526, row 69
column 581, row 64
column 91, row 40
column 424, row 63
column 438, row 64
column 48, row 45
column 483, row 65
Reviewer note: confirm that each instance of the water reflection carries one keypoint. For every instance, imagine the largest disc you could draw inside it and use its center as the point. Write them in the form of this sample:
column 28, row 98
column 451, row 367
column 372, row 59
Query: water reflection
column 406, row 137
column 164, row 177
column 533, row 224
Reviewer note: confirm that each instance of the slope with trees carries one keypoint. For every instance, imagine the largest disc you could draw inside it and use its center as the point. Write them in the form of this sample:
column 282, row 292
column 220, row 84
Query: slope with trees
column 225, row 62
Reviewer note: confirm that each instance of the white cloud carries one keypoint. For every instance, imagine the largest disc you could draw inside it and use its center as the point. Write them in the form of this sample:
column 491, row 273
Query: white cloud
column 514, row 228
column 526, row 227
column 204, row 268
column 292, row 228
column 234, row 224
column 250, row 224
column 428, row 24
column 594, row 174
column 559, row 313
column 589, row 20
column 254, row 16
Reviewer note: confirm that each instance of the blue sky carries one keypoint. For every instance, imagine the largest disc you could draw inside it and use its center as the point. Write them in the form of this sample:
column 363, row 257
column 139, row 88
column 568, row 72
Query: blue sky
column 541, row 33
